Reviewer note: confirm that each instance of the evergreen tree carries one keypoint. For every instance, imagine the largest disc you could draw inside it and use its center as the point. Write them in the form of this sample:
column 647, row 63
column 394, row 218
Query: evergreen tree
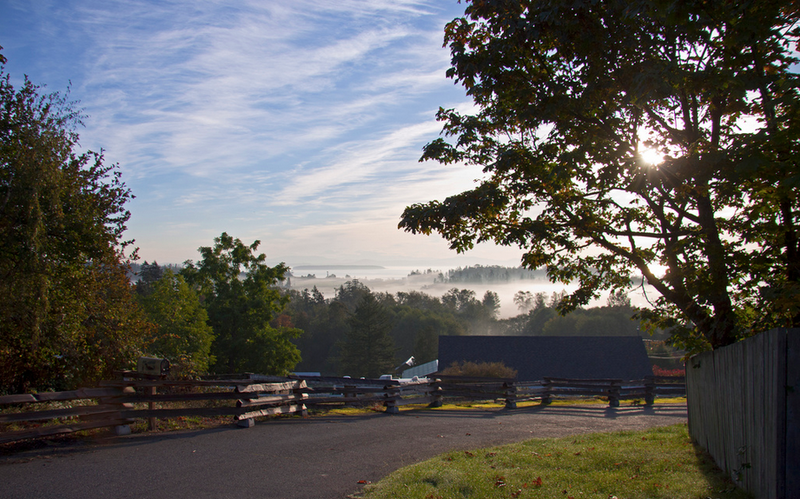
column 491, row 303
column 324, row 324
column 368, row 349
column 351, row 293
column 426, row 345
column 148, row 275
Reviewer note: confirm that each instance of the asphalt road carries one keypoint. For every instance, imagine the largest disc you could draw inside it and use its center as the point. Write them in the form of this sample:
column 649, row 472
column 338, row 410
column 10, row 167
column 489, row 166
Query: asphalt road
column 316, row 457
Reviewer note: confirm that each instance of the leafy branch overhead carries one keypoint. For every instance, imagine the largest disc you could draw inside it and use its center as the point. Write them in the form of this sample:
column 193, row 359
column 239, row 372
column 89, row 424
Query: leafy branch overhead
column 572, row 99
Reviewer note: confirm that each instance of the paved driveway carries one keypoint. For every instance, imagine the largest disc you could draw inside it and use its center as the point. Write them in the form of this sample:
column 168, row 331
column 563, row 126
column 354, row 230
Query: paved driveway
column 316, row 457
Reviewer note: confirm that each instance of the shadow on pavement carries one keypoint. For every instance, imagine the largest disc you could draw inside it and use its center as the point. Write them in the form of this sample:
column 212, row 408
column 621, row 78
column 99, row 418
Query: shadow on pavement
column 44, row 448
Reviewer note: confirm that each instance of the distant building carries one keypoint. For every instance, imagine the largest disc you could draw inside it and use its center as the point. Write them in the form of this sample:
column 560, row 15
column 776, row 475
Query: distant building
column 534, row 357
column 422, row 370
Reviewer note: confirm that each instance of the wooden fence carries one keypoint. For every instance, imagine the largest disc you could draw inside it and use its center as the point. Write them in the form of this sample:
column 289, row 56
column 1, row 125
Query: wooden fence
column 120, row 402
column 117, row 403
column 744, row 408
column 614, row 390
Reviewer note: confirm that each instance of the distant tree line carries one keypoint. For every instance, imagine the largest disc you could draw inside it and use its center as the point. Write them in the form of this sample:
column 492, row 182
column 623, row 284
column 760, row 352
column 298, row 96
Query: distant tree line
column 362, row 333
column 144, row 270
column 540, row 317
column 490, row 274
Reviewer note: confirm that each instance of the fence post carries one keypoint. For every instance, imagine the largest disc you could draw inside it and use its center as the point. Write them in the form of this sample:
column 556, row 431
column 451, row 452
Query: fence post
column 151, row 422
column 511, row 395
column 437, row 394
column 546, row 386
column 613, row 394
column 301, row 389
column 649, row 390
column 120, row 429
column 246, row 423
column 391, row 406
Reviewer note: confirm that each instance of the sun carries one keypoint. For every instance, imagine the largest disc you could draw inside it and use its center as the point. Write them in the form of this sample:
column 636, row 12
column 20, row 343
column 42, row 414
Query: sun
column 651, row 156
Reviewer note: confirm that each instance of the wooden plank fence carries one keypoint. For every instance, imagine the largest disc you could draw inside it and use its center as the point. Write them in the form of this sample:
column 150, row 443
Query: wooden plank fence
column 614, row 390
column 744, row 408
column 475, row 388
column 118, row 403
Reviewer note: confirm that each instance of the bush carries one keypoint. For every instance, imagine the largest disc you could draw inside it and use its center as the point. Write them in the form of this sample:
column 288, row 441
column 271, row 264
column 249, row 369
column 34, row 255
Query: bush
column 480, row 370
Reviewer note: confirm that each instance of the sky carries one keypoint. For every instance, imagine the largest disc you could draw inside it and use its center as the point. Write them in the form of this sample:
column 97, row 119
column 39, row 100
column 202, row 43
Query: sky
column 299, row 123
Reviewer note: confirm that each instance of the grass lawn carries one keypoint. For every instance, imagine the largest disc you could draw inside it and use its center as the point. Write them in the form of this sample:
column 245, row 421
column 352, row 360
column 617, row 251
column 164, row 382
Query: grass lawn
column 657, row 463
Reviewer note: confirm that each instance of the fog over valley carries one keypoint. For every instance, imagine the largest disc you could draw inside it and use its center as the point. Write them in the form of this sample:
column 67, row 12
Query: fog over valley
column 436, row 282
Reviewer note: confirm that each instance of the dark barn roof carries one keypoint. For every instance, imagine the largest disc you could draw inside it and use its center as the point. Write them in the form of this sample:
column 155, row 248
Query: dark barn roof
column 535, row 357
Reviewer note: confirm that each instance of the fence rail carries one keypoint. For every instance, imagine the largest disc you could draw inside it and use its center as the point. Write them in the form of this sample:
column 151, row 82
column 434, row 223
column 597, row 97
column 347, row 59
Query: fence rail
column 118, row 403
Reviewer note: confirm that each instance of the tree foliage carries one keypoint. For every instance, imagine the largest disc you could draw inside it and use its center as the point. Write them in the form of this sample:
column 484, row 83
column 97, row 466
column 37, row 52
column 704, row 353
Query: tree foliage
column 417, row 320
column 569, row 96
column 149, row 274
column 67, row 315
column 368, row 349
column 491, row 304
column 524, row 301
column 183, row 335
column 238, row 290
column 324, row 325
column 416, row 330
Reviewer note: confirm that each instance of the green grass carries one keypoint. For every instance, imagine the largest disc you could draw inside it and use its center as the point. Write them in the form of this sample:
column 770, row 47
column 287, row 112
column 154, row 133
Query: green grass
column 657, row 463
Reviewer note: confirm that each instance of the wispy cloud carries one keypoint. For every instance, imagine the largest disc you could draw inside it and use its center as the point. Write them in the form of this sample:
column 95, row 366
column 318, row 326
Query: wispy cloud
column 262, row 82
column 365, row 161
column 289, row 118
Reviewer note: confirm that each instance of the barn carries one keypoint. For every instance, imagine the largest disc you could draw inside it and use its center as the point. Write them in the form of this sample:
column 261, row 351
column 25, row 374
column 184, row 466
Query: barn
column 535, row 357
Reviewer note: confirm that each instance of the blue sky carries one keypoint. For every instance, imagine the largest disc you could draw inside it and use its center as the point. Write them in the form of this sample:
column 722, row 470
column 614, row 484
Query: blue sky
column 297, row 123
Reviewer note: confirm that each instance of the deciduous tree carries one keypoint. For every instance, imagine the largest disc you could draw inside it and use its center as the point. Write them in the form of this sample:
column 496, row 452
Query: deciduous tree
column 238, row 290
column 67, row 314
column 183, row 335
column 572, row 96
column 524, row 301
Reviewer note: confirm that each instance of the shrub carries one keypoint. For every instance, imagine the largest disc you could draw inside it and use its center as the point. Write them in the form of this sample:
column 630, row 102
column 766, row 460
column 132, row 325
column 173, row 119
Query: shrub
column 481, row 370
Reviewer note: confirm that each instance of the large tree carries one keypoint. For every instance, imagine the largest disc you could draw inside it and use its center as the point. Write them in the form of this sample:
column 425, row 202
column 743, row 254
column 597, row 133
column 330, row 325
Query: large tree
column 570, row 96
column 67, row 315
column 324, row 323
column 239, row 292
column 368, row 349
